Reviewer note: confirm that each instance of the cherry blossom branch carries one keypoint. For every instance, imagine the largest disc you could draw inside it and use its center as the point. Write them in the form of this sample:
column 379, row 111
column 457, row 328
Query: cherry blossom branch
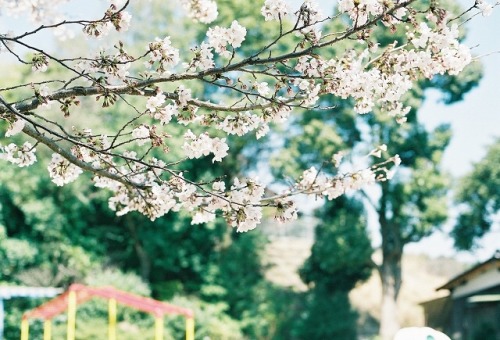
column 253, row 91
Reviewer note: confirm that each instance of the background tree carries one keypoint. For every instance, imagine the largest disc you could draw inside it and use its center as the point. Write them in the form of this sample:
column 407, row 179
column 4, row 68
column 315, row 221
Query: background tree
column 413, row 203
column 478, row 197
column 340, row 258
column 409, row 208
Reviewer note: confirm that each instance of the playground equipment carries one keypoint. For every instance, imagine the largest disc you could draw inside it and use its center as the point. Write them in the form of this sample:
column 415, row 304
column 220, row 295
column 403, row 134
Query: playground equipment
column 77, row 294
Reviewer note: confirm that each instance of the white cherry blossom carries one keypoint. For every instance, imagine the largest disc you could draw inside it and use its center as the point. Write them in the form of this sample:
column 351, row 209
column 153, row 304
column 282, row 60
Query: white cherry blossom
column 275, row 9
column 263, row 88
column 163, row 56
column 20, row 156
column 61, row 171
column 165, row 114
column 141, row 134
column 155, row 102
column 219, row 37
column 16, row 127
column 484, row 7
column 204, row 11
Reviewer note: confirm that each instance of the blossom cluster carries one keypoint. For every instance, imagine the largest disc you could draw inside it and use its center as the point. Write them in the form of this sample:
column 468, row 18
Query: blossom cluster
column 370, row 82
column 313, row 181
column 275, row 9
column 115, row 66
column 204, row 58
column 204, row 11
column 114, row 18
column 220, row 37
column 163, row 56
column 158, row 109
column 362, row 11
column 202, row 145
column 15, row 127
column 20, row 156
column 61, row 171
column 440, row 51
column 241, row 206
column 244, row 122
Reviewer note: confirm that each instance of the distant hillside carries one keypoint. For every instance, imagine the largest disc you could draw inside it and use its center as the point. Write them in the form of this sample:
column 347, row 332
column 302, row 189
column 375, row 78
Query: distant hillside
column 421, row 276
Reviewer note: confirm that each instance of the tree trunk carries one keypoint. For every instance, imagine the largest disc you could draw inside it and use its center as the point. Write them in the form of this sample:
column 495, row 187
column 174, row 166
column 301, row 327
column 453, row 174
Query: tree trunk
column 142, row 255
column 144, row 261
column 390, row 270
column 390, row 275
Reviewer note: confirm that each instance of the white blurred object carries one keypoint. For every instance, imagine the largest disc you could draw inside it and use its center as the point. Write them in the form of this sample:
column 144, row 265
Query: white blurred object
column 420, row 333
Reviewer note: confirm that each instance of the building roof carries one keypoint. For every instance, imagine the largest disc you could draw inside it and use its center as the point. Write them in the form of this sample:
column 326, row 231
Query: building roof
column 484, row 298
column 492, row 263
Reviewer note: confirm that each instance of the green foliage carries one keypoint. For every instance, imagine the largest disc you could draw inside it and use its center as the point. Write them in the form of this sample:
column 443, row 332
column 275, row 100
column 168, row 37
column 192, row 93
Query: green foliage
column 211, row 321
column 328, row 316
column 341, row 254
column 245, row 252
column 15, row 255
column 314, row 138
column 96, row 328
column 65, row 235
column 479, row 197
column 340, row 257
column 14, row 309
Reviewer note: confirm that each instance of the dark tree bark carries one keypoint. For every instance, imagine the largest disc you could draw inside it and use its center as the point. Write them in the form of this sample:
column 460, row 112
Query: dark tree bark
column 142, row 255
column 390, row 272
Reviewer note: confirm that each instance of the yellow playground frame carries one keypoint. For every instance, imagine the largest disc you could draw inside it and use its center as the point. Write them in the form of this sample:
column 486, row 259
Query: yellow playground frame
column 77, row 294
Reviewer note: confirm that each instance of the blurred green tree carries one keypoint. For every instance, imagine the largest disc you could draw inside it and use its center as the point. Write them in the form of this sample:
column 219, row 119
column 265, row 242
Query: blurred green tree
column 340, row 258
column 479, row 197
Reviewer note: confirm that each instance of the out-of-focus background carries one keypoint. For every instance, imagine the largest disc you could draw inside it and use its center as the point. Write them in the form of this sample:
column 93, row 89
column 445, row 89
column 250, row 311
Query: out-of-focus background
column 311, row 279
